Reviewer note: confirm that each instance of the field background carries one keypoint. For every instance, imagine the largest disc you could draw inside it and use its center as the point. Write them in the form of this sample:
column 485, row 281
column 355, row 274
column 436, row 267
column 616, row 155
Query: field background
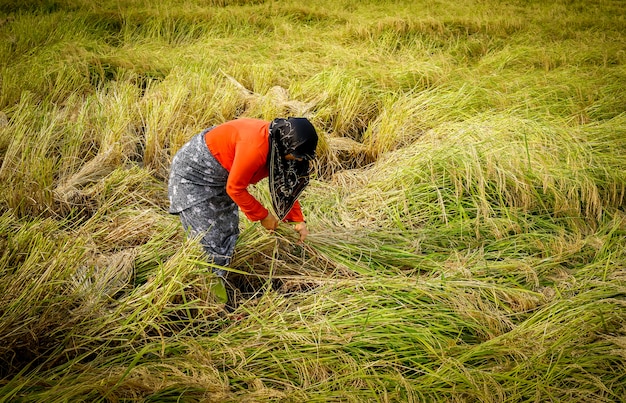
column 466, row 211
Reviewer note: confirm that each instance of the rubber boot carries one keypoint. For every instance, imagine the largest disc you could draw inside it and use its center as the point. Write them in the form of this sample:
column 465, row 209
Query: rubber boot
column 218, row 287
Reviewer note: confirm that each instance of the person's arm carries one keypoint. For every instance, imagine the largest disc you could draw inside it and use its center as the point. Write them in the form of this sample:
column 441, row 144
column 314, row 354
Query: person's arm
column 302, row 229
column 295, row 215
column 248, row 159
column 270, row 222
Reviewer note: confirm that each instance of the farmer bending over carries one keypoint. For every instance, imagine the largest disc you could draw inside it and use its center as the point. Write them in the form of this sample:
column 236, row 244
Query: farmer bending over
column 210, row 175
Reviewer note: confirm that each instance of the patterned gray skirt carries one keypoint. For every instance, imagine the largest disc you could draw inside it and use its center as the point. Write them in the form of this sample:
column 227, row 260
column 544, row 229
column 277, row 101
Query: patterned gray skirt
column 197, row 194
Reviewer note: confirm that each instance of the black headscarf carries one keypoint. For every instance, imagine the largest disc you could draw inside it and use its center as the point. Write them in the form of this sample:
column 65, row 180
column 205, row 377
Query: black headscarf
column 288, row 178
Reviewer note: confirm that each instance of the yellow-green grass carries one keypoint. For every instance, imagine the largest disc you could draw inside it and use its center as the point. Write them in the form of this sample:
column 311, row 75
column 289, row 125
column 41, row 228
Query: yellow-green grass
column 466, row 209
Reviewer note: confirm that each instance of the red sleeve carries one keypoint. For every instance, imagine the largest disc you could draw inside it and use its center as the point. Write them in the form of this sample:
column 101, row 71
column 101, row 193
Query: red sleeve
column 248, row 160
column 295, row 214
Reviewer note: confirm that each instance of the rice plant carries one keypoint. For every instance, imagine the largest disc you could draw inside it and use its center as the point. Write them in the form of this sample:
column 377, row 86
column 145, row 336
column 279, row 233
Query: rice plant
column 466, row 207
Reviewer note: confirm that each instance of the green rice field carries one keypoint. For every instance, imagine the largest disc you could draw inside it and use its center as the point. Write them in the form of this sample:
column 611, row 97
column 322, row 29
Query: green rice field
column 467, row 207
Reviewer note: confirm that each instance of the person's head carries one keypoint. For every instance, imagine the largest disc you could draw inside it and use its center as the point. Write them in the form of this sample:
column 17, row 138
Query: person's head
column 296, row 138
column 292, row 147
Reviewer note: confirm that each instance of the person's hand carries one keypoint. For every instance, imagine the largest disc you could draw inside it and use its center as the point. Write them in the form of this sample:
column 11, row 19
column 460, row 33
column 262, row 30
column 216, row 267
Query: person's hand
column 302, row 229
column 270, row 222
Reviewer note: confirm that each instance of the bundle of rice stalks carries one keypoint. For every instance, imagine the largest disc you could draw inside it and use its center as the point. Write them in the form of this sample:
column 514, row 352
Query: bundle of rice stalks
column 276, row 102
column 277, row 261
column 74, row 193
column 104, row 276
column 343, row 153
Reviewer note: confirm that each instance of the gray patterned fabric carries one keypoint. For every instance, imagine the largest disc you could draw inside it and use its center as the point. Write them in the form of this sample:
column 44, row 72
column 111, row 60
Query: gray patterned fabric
column 194, row 174
column 217, row 221
column 197, row 193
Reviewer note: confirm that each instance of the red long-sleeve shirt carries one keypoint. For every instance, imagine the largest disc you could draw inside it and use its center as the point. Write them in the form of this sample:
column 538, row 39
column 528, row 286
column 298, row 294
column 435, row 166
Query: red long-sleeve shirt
column 242, row 147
